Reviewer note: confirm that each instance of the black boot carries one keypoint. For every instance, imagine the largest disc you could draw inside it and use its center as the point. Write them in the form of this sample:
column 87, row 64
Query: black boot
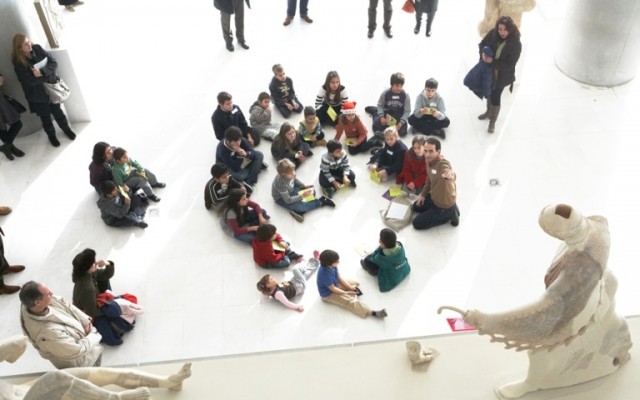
column 416, row 30
column 7, row 151
column 50, row 130
column 62, row 122
column 16, row 151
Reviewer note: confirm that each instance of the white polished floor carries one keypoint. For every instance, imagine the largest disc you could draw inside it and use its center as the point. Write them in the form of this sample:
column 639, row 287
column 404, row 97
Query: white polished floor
column 151, row 72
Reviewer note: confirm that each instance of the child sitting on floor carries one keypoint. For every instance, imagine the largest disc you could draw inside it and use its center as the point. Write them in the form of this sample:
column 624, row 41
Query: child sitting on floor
column 334, row 169
column 217, row 189
column 118, row 209
column 336, row 290
column 288, row 144
column 310, row 128
column 414, row 169
column 135, row 176
column 388, row 160
column 355, row 131
column 388, row 262
column 260, row 117
column 264, row 252
column 286, row 189
column 285, row 291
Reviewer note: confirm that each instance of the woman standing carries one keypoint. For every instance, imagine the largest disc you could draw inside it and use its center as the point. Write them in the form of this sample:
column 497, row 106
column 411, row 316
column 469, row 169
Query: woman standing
column 10, row 117
column 504, row 40
column 428, row 7
column 34, row 66
column 332, row 94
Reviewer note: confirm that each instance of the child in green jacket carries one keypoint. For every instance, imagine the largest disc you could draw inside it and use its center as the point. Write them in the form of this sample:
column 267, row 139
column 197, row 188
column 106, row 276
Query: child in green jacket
column 388, row 262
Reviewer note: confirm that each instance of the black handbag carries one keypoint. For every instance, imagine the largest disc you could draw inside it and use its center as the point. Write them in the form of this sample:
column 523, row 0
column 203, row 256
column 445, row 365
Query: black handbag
column 15, row 104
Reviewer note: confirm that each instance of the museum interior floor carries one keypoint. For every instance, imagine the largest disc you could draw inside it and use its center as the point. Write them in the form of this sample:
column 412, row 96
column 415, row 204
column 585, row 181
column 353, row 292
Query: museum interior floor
column 150, row 73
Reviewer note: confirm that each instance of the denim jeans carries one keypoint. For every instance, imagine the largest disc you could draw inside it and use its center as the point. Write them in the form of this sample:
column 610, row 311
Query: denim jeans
column 291, row 7
column 431, row 215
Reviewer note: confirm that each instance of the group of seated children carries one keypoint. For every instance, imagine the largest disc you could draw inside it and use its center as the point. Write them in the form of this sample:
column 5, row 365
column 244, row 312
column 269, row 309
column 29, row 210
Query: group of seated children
column 123, row 184
column 388, row 262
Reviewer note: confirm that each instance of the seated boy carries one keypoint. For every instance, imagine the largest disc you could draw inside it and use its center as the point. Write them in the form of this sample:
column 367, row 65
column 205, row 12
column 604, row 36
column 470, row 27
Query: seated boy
column 135, row 176
column 394, row 107
column 217, row 189
column 260, row 117
column 388, row 160
column 428, row 117
column 388, row 261
column 234, row 151
column 118, row 209
column 228, row 114
column 310, row 129
column 334, row 169
column 282, row 93
column 286, row 188
column 336, row 290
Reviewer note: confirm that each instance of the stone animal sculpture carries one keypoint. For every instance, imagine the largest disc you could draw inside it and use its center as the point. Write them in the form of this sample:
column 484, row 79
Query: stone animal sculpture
column 572, row 333
column 417, row 354
column 84, row 383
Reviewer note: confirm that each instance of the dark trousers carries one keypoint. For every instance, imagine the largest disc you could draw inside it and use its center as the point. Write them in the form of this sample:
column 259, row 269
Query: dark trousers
column 291, row 7
column 286, row 112
column 250, row 219
column 225, row 21
column 378, row 127
column 432, row 215
column 428, row 123
column 3, row 262
column 388, row 11
column 430, row 16
column 496, row 94
column 9, row 135
column 324, row 118
column 137, row 211
column 361, row 148
column 370, row 266
column 61, row 119
column 338, row 174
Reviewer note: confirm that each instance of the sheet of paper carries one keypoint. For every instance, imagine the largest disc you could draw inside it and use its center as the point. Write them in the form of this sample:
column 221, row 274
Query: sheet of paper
column 307, row 199
column 332, row 113
column 397, row 211
column 41, row 64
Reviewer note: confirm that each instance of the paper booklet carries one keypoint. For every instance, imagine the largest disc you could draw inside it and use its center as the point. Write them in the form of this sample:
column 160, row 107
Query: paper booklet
column 245, row 161
column 390, row 120
column 332, row 113
column 307, row 199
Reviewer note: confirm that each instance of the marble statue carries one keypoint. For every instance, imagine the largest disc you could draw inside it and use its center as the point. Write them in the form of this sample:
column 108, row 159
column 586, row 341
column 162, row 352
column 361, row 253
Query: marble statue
column 84, row 383
column 494, row 9
column 418, row 355
column 572, row 333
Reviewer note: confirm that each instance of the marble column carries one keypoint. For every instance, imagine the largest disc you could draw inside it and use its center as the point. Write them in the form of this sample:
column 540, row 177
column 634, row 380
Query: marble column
column 599, row 42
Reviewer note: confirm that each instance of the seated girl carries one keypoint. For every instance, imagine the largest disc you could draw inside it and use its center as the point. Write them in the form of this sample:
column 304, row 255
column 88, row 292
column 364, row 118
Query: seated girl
column 288, row 144
column 240, row 217
column 388, row 160
column 285, row 291
column 414, row 169
column 331, row 95
column 351, row 125
column 270, row 250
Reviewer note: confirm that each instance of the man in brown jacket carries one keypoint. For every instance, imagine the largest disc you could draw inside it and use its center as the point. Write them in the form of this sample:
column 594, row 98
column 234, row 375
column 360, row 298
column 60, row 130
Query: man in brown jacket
column 437, row 202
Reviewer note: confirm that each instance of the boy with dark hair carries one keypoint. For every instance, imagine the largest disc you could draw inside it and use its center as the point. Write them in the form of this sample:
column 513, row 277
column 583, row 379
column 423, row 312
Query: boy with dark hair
column 334, row 169
column 134, row 175
column 243, row 162
column 428, row 117
column 336, row 290
column 282, row 93
column 217, row 189
column 260, row 117
column 388, row 262
column 394, row 107
column 118, row 209
column 228, row 114
column 310, row 129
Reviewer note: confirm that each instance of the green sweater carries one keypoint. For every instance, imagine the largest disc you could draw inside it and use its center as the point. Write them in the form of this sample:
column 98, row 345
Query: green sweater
column 394, row 266
column 122, row 172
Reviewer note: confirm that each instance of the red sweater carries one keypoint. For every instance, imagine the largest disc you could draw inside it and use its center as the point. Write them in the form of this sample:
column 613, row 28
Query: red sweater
column 264, row 253
column 353, row 129
column 413, row 170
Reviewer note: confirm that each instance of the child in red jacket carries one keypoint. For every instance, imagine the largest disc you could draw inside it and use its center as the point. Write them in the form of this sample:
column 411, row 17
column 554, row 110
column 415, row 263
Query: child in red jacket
column 414, row 169
column 265, row 253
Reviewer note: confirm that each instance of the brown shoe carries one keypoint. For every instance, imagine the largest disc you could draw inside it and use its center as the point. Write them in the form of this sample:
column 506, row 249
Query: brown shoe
column 321, row 142
column 8, row 289
column 4, row 210
column 70, row 8
column 307, row 19
column 12, row 269
column 287, row 20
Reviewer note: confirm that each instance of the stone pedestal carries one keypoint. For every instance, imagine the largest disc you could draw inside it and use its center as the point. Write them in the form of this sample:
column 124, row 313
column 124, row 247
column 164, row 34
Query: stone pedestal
column 599, row 43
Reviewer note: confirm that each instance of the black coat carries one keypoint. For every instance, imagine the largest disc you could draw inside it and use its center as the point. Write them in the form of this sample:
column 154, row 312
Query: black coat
column 226, row 6
column 426, row 6
column 504, row 68
column 33, row 89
